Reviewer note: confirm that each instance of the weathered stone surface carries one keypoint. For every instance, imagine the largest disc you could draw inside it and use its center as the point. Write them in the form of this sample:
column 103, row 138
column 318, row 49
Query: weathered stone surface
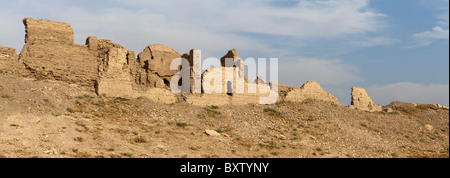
column 114, row 75
column 6, row 52
column 49, row 53
column 222, row 86
column 259, row 80
column 194, row 59
column 209, row 99
column 157, row 59
column 388, row 110
column 9, row 61
column 92, row 43
column 362, row 101
column 429, row 127
column 232, row 54
column 116, row 79
column 109, row 68
column 222, row 80
column 152, row 67
column 61, row 61
column 159, row 95
column 47, row 30
column 212, row 133
column 311, row 90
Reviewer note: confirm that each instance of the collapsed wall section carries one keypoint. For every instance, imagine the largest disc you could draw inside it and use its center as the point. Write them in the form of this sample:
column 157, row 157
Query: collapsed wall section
column 311, row 90
column 362, row 101
column 9, row 61
column 153, row 68
column 49, row 53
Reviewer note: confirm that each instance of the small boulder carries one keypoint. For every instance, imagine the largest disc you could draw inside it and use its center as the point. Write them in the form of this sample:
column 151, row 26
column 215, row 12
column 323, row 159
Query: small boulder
column 212, row 133
column 429, row 127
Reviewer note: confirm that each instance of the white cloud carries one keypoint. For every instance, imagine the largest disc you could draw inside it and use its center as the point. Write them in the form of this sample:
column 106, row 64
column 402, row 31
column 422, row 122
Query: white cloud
column 428, row 37
column 325, row 72
column 213, row 26
column 330, row 18
column 410, row 92
column 439, row 32
column 377, row 41
column 436, row 33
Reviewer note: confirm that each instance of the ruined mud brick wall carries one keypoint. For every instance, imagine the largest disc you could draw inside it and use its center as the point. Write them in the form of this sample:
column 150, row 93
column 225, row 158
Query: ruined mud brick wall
column 224, row 86
column 118, row 73
column 362, row 101
column 154, row 66
column 311, row 90
column 50, row 53
column 9, row 60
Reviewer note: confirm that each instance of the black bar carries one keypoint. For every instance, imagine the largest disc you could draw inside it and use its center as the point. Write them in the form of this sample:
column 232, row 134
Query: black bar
column 227, row 167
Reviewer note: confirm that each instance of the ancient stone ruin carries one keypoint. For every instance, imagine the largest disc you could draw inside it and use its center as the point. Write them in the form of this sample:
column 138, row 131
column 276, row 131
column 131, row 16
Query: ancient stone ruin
column 311, row 90
column 110, row 69
column 362, row 101
column 8, row 59
column 227, row 84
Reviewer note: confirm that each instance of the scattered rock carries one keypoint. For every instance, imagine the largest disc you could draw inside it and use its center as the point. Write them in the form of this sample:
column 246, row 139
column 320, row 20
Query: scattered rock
column 388, row 110
column 281, row 137
column 212, row 133
column 429, row 127
column 51, row 152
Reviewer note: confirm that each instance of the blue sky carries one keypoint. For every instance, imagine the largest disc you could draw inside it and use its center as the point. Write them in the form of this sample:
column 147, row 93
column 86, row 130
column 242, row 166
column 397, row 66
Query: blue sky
column 397, row 50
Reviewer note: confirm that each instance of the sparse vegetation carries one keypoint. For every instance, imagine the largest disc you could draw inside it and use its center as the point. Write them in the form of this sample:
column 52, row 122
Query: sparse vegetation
column 269, row 144
column 78, row 123
column 6, row 96
column 71, row 110
column 139, row 140
column 278, row 103
column 201, row 116
column 212, row 113
column 122, row 99
column 272, row 112
column 181, row 124
column 213, row 107
column 223, row 130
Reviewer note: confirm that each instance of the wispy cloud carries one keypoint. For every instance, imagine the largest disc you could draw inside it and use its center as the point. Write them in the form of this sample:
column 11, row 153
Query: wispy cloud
column 436, row 33
column 377, row 41
column 214, row 26
column 328, row 72
column 410, row 92
column 439, row 32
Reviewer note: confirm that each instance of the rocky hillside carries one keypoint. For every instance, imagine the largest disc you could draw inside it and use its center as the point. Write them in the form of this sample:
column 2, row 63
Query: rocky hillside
column 48, row 118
